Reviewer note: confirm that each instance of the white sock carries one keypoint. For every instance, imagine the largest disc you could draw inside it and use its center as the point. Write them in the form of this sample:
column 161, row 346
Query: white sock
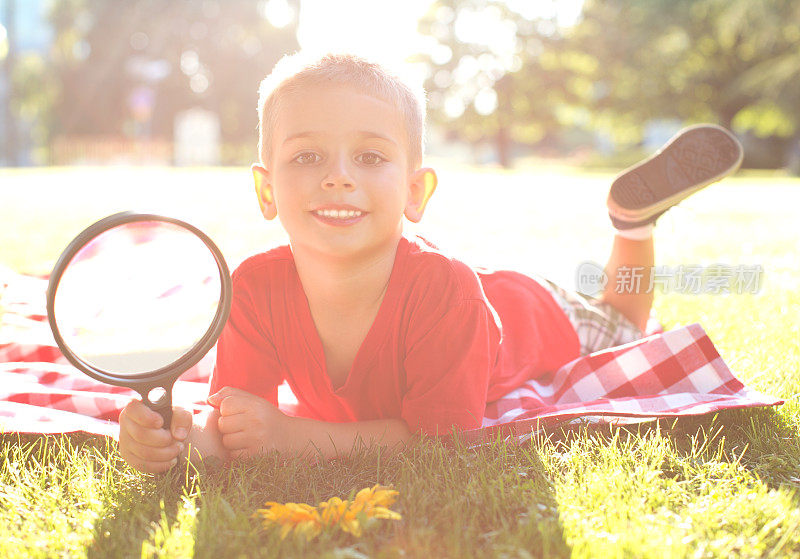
column 637, row 233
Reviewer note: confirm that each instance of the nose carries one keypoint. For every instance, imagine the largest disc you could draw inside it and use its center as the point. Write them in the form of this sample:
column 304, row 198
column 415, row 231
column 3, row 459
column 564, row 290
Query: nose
column 338, row 176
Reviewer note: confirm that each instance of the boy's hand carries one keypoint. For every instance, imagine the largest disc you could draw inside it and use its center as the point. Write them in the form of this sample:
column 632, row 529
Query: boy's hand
column 248, row 424
column 144, row 444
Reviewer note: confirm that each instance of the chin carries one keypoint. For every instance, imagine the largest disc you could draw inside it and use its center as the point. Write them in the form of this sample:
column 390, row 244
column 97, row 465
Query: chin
column 352, row 248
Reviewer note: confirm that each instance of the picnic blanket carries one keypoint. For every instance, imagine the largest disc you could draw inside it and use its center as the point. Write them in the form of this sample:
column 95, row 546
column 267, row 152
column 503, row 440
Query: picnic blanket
column 669, row 374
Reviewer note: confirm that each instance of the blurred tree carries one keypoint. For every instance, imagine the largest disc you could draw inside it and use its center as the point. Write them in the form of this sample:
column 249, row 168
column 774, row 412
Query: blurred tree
column 8, row 141
column 487, row 81
column 497, row 71
column 735, row 62
column 35, row 91
column 130, row 66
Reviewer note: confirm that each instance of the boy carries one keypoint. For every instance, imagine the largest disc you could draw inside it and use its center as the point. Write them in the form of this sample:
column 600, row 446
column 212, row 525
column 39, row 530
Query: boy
column 378, row 335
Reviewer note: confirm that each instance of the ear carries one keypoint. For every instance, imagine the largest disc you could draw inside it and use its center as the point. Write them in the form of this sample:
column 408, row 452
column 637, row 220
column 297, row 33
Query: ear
column 422, row 184
column 264, row 191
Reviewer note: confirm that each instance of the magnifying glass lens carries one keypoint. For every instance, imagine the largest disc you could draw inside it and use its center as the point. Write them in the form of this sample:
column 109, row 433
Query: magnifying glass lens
column 137, row 297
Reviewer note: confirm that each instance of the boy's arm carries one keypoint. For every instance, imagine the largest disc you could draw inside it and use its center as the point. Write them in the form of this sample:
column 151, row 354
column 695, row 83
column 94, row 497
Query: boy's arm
column 333, row 439
column 250, row 425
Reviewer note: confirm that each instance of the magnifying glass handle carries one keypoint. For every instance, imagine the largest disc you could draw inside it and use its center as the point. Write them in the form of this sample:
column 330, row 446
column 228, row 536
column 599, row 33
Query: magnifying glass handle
column 166, row 413
column 162, row 404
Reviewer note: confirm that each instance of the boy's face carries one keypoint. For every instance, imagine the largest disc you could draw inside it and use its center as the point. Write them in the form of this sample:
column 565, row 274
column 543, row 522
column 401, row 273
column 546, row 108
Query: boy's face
column 338, row 175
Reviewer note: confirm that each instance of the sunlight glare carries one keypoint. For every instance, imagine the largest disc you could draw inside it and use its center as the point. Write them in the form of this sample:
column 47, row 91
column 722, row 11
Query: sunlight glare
column 278, row 12
column 386, row 31
column 381, row 30
column 3, row 42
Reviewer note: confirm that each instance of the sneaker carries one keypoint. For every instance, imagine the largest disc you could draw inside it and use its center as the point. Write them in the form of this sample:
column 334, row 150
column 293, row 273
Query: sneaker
column 694, row 158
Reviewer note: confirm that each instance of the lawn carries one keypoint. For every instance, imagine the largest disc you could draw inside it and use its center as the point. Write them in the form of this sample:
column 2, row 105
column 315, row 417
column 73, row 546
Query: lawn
column 710, row 486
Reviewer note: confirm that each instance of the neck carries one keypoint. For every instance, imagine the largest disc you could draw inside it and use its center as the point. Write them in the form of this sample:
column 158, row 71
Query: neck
column 345, row 284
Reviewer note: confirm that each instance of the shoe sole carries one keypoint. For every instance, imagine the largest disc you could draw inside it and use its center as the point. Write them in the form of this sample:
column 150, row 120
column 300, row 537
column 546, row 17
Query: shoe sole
column 692, row 159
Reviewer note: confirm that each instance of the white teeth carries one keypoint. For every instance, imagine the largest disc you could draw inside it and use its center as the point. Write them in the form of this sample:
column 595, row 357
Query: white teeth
column 338, row 214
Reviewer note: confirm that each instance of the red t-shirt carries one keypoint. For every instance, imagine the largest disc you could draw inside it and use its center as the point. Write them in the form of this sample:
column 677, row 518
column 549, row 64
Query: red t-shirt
column 433, row 357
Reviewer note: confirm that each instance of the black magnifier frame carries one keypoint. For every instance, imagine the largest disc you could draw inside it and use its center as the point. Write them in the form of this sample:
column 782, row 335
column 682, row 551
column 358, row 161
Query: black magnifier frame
column 163, row 377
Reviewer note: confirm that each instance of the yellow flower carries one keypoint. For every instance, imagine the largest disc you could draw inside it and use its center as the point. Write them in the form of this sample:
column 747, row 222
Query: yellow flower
column 350, row 516
column 383, row 512
column 333, row 510
column 342, row 513
column 376, row 496
column 300, row 517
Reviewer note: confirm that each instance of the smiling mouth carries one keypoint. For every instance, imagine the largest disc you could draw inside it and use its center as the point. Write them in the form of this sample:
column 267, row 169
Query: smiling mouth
column 338, row 214
column 338, row 217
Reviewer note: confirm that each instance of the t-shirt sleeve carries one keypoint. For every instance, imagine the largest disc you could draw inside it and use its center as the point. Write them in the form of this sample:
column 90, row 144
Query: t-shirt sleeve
column 448, row 370
column 246, row 355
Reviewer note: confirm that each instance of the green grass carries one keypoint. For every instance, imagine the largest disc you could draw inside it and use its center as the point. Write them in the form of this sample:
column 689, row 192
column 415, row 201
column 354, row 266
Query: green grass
column 713, row 486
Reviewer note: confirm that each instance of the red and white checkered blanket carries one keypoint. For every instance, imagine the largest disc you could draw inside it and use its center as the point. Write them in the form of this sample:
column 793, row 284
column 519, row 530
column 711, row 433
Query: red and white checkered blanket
column 671, row 374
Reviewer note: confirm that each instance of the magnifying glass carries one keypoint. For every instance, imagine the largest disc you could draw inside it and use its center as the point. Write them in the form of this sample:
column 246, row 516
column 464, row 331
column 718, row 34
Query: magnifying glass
column 136, row 300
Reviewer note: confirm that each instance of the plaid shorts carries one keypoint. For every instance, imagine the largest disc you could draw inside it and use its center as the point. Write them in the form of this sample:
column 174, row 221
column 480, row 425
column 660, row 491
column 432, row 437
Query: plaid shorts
column 598, row 324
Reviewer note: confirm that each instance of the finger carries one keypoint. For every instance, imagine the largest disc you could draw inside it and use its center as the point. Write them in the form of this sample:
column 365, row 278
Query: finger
column 139, row 413
column 150, row 467
column 231, row 405
column 147, row 436
column 231, row 423
column 236, row 441
column 219, row 395
column 148, row 453
column 224, row 392
column 181, row 423
column 135, row 452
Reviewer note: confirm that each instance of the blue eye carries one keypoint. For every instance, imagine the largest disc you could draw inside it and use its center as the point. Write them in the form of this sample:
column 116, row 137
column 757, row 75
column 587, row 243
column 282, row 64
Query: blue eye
column 307, row 158
column 370, row 158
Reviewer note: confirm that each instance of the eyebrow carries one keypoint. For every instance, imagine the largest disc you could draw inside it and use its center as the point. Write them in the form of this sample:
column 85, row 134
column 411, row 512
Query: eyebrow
column 363, row 134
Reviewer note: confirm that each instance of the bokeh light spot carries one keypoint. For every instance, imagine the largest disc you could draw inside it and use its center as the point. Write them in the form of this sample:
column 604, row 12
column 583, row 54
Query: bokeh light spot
column 278, row 12
column 139, row 41
column 190, row 62
column 199, row 83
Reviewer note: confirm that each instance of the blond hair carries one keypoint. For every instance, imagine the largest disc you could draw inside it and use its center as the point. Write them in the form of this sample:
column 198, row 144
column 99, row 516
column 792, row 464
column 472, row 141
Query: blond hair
column 295, row 72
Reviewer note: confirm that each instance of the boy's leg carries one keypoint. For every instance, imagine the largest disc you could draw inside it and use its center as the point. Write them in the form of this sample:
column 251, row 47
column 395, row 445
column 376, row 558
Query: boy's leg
column 628, row 270
column 694, row 158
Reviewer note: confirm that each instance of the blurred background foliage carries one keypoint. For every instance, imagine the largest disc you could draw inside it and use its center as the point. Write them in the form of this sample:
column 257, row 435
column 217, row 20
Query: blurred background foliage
column 184, row 54
column 116, row 70
column 622, row 66
column 505, row 78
